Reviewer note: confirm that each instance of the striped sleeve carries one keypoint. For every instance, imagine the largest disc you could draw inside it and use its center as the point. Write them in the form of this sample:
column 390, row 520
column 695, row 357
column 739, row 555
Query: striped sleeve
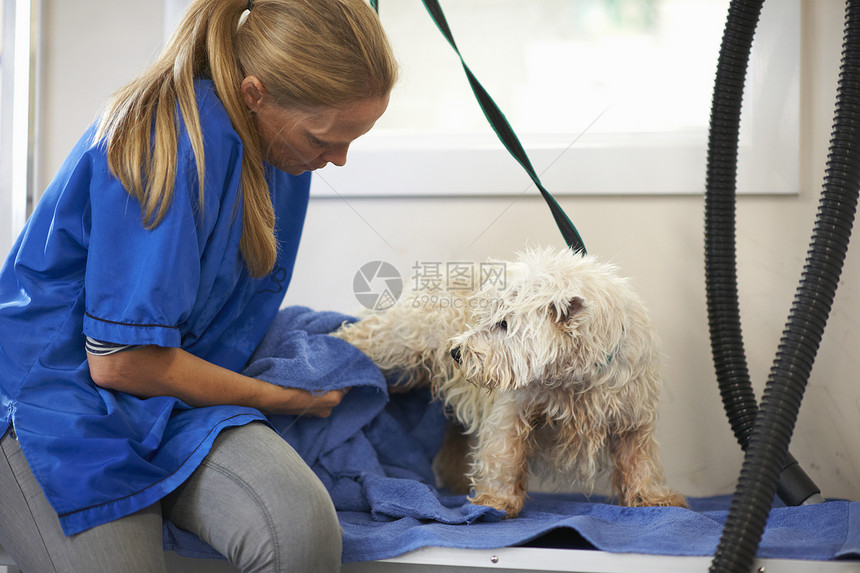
column 102, row 348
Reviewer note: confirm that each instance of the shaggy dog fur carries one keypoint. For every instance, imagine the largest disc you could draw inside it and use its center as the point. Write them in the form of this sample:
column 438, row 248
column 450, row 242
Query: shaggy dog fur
column 558, row 369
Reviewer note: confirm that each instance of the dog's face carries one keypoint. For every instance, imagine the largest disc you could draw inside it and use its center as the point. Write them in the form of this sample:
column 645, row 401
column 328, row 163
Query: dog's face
column 556, row 319
column 523, row 334
column 510, row 348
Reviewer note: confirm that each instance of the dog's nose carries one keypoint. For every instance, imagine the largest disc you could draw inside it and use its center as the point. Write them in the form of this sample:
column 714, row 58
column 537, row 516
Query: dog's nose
column 455, row 354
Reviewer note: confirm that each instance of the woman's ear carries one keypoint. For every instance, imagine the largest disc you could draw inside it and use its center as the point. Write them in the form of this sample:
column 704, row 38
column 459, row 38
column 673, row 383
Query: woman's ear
column 253, row 92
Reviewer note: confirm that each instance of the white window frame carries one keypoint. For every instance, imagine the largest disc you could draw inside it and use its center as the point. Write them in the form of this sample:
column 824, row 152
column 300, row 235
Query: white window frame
column 415, row 164
column 17, row 117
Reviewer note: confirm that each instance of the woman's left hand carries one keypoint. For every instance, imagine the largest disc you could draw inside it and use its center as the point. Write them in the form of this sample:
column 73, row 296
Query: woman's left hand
column 303, row 403
column 156, row 371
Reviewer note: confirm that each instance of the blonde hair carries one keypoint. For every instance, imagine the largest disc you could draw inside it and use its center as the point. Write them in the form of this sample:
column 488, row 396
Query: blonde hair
column 304, row 52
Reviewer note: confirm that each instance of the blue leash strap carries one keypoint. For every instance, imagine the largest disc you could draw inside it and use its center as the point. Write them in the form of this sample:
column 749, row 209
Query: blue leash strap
column 503, row 130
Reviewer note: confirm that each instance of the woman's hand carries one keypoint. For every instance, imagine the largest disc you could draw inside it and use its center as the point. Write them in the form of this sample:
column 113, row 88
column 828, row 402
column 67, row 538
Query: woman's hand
column 303, row 403
column 155, row 371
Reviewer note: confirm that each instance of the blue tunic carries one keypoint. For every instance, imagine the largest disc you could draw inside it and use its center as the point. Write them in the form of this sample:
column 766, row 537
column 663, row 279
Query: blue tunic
column 85, row 266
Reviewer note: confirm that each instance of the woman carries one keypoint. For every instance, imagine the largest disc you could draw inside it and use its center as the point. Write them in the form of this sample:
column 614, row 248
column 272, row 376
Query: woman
column 149, row 272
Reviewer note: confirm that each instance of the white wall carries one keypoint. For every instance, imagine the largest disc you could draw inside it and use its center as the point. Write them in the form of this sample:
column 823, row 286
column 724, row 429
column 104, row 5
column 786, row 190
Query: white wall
column 94, row 46
column 90, row 49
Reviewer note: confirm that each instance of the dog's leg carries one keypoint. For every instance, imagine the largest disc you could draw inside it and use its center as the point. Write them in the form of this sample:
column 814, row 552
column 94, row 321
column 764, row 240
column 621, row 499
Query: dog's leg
column 393, row 346
column 409, row 342
column 500, row 459
column 638, row 475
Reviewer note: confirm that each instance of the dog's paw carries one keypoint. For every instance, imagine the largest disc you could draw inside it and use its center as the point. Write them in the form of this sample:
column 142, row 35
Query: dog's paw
column 672, row 500
column 667, row 498
column 511, row 506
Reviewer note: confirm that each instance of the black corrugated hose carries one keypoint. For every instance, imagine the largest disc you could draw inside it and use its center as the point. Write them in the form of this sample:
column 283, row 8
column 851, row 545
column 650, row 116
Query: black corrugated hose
column 727, row 346
column 720, row 267
column 767, row 447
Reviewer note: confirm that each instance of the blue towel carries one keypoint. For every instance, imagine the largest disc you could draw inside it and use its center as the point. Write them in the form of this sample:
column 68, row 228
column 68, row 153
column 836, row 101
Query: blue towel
column 374, row 454
column 822, row 532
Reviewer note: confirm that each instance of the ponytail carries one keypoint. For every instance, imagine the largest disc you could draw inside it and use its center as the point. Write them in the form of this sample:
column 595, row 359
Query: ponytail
column 305, row 52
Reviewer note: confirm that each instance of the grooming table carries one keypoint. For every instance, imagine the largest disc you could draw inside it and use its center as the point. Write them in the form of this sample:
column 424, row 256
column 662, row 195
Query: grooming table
column 532, row 559
column 516, row 559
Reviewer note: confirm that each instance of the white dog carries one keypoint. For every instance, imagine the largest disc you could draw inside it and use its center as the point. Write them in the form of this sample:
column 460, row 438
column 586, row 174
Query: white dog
column 560, row 366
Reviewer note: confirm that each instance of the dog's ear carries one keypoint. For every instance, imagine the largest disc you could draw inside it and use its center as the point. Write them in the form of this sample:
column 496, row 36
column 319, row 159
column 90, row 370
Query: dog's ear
column 565, row 312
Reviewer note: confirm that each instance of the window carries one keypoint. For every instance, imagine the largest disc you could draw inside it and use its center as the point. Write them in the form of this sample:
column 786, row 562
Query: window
column 607, row 96
column 17, row 93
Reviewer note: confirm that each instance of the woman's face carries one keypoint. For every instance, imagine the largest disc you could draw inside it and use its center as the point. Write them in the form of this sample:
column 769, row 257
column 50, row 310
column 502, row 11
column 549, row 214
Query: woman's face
column 297, row 140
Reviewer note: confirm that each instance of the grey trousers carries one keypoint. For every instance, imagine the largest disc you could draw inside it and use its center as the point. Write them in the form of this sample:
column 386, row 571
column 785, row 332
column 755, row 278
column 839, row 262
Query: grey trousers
column 253, row 499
